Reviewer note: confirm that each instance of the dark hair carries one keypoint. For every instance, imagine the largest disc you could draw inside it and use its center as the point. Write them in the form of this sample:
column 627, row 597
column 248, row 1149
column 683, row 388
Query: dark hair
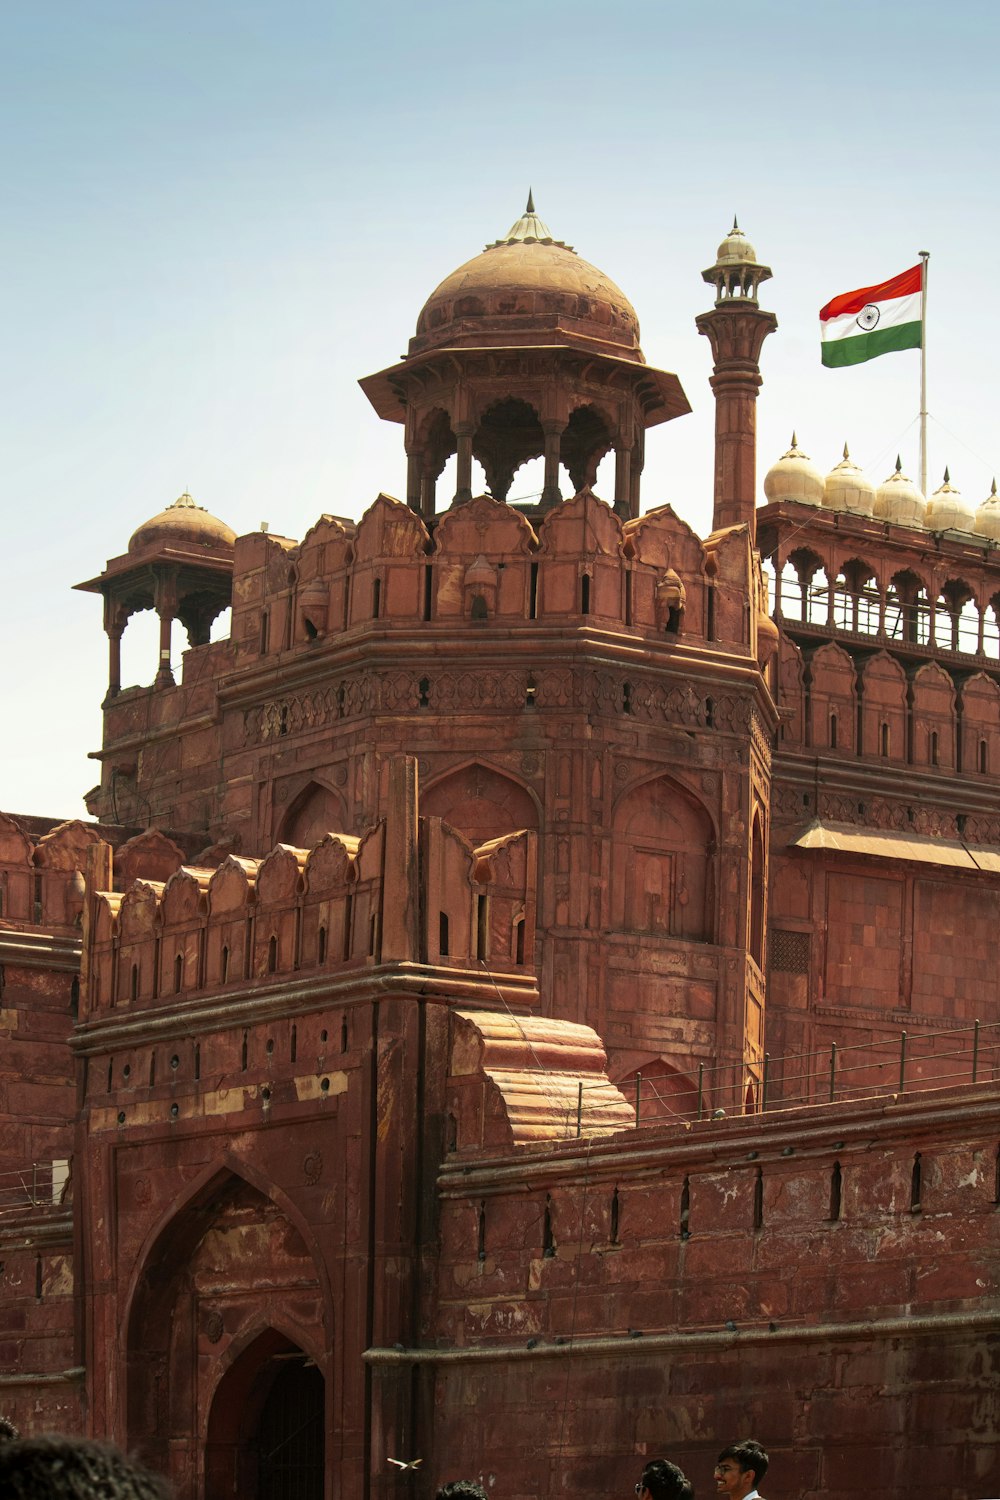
column 8, row 1432
column 64, row 1468
column 665, row 1481
column 749, row 1455
column 461, row 1489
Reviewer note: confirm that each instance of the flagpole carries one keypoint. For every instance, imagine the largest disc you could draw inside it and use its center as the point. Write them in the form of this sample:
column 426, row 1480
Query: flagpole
column 925, row 256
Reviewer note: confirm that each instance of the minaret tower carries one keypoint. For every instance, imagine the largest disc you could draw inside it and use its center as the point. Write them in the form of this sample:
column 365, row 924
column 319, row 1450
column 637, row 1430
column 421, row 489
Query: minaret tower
column 737, row 328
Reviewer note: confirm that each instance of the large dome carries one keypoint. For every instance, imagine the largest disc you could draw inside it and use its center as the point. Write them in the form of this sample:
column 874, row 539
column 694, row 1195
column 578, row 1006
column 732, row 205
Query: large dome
column 522, row 289
column 182, row 524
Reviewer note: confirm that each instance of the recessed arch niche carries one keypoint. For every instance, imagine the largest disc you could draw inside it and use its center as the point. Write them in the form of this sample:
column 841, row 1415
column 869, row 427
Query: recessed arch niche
column 480, row 802
column 316, row 811
column 663, row 857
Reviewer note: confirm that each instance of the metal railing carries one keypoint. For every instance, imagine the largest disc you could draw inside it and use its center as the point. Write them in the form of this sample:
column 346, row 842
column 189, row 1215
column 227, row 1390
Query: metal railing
column 905, row 1063
column 42, row 1184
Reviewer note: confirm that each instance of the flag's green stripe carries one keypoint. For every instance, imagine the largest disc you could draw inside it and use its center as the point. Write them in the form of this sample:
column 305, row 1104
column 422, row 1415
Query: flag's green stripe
column 855, row 351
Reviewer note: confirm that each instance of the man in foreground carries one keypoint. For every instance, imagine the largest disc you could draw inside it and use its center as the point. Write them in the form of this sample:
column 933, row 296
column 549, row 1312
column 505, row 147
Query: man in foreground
column 739, row 1469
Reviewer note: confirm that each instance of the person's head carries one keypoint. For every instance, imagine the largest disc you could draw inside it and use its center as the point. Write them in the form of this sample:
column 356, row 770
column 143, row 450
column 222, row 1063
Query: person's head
column 664, row 1481
column 8, row 1432
column 461, row 1489
column 739, row 1469
column 64, row 1468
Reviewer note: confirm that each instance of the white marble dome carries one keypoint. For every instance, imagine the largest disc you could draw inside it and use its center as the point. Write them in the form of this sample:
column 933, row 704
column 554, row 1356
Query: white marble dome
column 794, row 477
column 898, row 500
column 988, row 516
column 948, row 510
column 848, row 489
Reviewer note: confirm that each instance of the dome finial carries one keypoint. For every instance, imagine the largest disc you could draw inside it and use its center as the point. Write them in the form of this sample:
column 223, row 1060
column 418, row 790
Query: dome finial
column 993, row 490
column 530, row 209
column 947, row 476
column 846, row 454
column 899, row 464
column 795, row 441
column 736, row 228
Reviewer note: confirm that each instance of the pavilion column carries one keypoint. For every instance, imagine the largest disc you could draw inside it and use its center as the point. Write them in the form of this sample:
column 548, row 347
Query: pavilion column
column 428, row 491
column 623, row 479
column 414, row 486
column 551, row 494
column 463, row 479
column 165, row 603
column 115, row 633
column 164, row 676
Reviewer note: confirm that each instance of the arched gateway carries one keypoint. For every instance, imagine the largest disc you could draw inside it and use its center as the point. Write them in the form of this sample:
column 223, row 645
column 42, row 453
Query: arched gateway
column 226, row 1348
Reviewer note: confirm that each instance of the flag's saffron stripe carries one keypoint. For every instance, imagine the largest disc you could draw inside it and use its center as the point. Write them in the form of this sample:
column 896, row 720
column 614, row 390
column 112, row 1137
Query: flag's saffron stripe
column 890, row 314
column 903, row 285
column 869, row 345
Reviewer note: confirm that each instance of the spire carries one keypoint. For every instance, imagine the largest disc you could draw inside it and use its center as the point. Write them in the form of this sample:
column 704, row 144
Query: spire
column 530, row 230
column 899, row 464
column 846, row 454
column 947, row 476
column 736, row 228
column 795, row 441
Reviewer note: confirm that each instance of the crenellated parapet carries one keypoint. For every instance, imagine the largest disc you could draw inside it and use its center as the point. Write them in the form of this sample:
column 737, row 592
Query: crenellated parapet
column 306, row 912
column 485, row 564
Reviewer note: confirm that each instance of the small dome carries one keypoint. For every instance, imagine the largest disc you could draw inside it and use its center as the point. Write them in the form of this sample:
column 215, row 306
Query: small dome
column 898, row 500
column 736, row 249
column 794, row 477
column 184, row 522
column 848, row 489
column 948, row 510
column 527, row 283
column 988, row 516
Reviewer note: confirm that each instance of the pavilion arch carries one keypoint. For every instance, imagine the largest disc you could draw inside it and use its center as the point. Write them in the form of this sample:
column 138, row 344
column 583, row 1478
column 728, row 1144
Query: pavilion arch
column 811, row 604
column 171, row 1296
column 481, row 802
column 663, row 862
column 857, row 597
column 315, row 811
column 957, row 624
column 508, row 435
column 908, row 608
column 586, row 438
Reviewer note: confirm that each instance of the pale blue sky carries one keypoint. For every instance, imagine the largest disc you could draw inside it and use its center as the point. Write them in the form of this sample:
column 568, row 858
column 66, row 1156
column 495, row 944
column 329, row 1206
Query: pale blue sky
column 216, row 216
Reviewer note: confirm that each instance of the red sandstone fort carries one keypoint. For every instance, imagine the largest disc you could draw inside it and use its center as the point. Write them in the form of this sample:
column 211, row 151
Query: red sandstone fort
column 528, row 999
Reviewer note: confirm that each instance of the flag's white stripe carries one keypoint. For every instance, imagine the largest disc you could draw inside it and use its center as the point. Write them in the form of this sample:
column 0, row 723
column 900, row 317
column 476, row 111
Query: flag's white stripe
column 895, row 311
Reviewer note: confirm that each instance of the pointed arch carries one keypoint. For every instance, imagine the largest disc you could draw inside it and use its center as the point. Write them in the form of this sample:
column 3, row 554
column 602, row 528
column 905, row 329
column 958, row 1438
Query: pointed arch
column 234, row 1216
column 480, row 801
column 663, row 861
column 317, row 809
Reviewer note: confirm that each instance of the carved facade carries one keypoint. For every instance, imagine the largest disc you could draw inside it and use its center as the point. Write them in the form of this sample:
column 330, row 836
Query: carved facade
column 428, row 1051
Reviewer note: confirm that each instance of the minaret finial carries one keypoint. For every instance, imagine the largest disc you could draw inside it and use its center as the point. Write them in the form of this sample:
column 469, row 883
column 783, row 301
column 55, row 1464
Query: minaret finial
column 947, row 476
column 899, row 464
column 531, row 203
column 846, row 454
column 795, row 441
column 736, row 228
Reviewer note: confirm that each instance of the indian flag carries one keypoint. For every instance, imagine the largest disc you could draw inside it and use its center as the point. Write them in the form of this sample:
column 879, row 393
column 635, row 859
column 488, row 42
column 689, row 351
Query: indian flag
column 873, row 320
